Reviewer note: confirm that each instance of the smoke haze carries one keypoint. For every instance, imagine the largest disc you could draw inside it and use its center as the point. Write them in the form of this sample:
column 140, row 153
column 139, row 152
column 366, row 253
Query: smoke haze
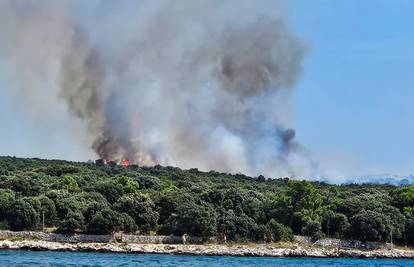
column 187, row 83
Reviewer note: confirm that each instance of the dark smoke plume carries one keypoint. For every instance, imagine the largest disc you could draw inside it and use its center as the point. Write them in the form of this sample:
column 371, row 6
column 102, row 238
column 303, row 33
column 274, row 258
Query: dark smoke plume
column 189, row 83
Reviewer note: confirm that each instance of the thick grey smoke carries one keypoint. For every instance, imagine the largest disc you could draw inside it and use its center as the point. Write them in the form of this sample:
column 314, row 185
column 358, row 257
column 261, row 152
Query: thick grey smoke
column 190, row 83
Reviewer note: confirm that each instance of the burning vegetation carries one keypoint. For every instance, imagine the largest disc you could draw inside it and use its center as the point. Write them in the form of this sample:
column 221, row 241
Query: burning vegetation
column 192, row 83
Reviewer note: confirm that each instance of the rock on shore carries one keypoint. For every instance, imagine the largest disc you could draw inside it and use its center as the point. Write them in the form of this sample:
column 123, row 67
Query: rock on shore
column 211, row 250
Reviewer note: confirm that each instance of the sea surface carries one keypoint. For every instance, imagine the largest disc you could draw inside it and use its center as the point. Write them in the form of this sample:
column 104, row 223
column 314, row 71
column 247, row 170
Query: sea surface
column 63, row 259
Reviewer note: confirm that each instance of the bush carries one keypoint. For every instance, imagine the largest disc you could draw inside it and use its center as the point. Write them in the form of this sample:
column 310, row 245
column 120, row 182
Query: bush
column 278, row 232
column 149, row 182
column 127, row 184
column 370, row 226
column 127, row 223
column 334, row 224
column 197, row 220
column 111, row 191
column 22, row 216
column 72, row 222
column 4, row 225
column 7, row 198
column 141, row 208
column 47, row 207
column 69, row 182
column 313, row 229
column 103, row 222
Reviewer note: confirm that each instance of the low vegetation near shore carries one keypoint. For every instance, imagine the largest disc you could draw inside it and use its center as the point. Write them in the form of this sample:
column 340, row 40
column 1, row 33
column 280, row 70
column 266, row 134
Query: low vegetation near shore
column 100, row 199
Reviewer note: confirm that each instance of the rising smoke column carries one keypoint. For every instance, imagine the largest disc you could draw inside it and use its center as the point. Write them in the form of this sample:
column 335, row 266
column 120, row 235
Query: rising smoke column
column 191, row 83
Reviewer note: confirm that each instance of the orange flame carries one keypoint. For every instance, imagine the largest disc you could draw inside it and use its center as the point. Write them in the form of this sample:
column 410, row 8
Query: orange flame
column 125, row 163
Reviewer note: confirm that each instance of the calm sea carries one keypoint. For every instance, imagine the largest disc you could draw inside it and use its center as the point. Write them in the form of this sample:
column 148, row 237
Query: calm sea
column 63, row 259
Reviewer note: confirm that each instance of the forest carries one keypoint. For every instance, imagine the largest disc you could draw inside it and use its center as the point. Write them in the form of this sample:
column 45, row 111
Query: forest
column 96, row 198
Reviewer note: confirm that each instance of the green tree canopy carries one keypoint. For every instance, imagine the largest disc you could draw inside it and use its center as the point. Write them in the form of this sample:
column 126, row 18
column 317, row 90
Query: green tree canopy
column 22, row 215
column 141, row 208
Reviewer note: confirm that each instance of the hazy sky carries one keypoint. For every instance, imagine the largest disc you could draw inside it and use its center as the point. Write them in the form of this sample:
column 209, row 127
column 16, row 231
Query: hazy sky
column 353, row 105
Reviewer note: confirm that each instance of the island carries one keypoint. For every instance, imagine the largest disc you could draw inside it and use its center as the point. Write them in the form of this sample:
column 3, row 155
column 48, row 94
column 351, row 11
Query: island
column 109, row 207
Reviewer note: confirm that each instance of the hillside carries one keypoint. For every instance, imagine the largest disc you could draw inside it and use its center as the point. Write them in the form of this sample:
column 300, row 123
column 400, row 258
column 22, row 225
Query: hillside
column 100, row 199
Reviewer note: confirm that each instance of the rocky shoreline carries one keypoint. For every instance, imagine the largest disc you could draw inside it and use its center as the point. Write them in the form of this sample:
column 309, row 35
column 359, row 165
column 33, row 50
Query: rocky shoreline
column 258, row 250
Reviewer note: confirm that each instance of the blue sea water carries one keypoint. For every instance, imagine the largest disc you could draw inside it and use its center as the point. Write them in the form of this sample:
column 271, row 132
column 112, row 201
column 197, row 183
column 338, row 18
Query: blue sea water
column 64, row 259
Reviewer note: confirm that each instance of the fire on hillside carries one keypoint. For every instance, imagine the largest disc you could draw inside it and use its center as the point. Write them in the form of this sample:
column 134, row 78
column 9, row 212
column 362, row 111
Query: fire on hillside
column 124, row 163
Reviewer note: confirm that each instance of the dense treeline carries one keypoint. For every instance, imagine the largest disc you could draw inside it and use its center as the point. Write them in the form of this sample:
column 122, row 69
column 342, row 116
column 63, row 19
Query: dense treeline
column 100, row 199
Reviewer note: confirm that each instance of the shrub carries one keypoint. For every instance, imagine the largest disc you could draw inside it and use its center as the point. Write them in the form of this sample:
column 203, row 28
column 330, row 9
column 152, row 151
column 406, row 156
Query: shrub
column 278, row 232
column 72, row 222
column 141, row 208
column 313, row 229
column 22, row 215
